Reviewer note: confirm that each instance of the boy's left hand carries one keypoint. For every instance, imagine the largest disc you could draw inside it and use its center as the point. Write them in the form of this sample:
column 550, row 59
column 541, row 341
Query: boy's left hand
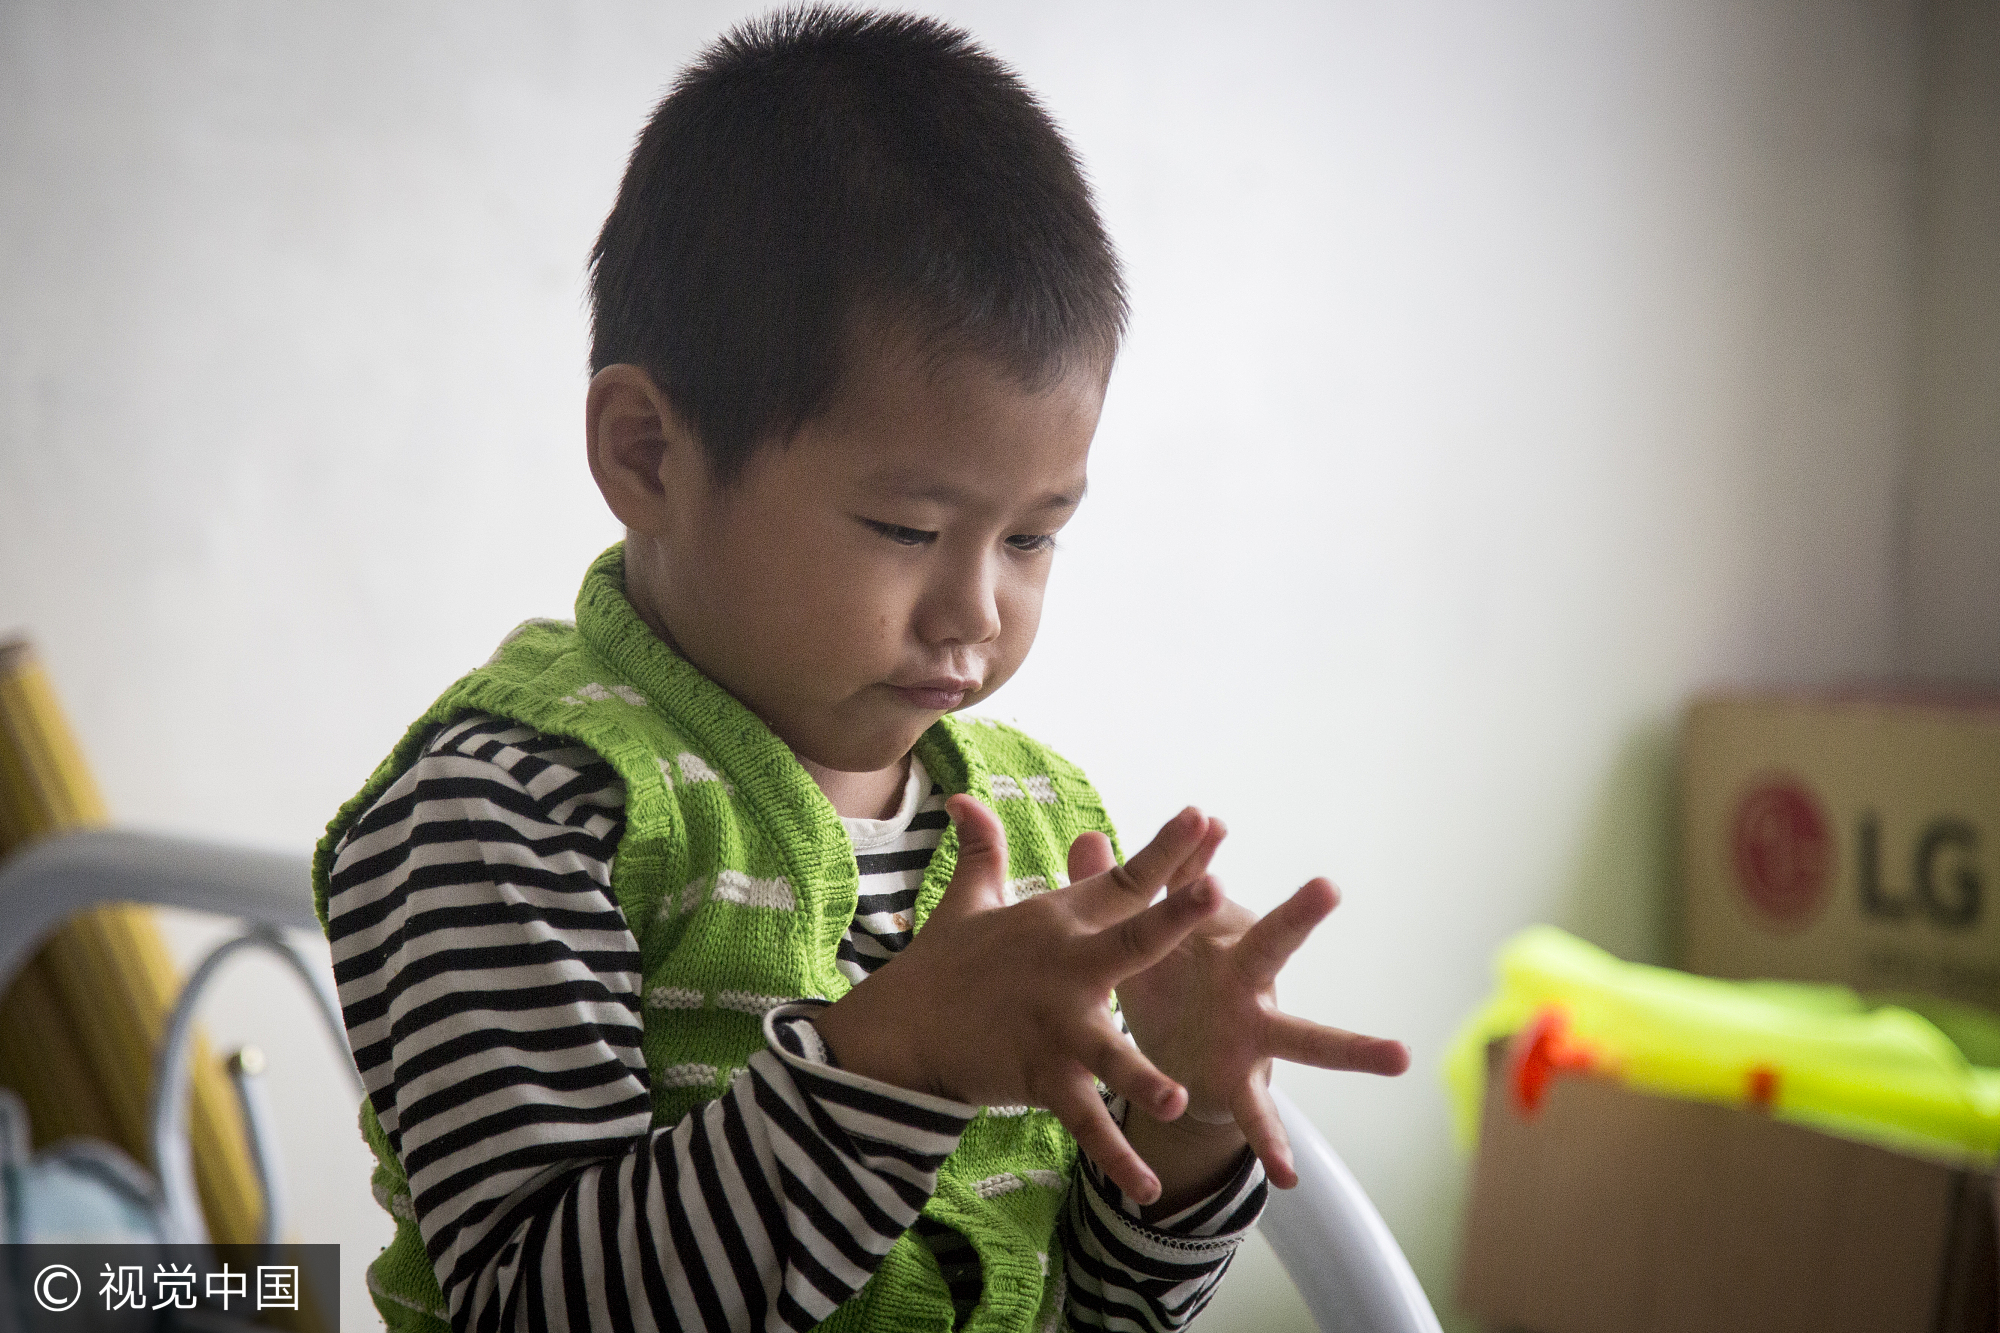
column 1207, row 1013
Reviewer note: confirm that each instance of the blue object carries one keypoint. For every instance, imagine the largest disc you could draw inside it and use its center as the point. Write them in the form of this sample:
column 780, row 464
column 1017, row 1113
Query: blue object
column 78, row 1190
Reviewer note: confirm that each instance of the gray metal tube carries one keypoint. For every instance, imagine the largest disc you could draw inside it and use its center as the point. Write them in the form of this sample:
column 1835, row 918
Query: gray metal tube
column 44, row 884
column 246, row 1071
column 180, row 1205
column 1335, row 1246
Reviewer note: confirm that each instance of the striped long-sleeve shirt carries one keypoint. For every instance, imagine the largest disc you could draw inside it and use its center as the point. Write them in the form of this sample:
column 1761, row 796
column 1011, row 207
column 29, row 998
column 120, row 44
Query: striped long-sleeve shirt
column 491, row 989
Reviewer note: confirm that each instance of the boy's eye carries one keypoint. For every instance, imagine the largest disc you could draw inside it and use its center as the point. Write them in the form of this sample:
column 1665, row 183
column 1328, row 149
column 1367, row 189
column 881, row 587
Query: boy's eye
column 899, row 534
column 1026, row 541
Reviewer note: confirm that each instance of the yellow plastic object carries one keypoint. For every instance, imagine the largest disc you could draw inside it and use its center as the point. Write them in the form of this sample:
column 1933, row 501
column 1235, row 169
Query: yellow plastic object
column 79, row 1023
column 1818, row 1056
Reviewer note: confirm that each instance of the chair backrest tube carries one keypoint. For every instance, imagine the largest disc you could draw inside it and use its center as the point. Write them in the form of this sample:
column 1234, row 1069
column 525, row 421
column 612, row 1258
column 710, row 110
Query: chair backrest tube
column 1335, row 1245
column 45, row 883
column 180, row 1203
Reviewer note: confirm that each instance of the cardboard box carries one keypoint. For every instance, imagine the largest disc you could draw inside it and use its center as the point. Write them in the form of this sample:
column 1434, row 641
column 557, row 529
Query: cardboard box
column 1852, row 840
column 1615, row 1212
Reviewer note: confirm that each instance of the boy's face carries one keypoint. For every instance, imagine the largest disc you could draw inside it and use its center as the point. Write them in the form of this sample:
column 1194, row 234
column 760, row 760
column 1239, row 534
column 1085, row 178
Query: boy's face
column 885, row 567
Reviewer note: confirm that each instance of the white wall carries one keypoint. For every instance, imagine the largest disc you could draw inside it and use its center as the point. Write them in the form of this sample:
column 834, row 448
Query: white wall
column 1500, row 373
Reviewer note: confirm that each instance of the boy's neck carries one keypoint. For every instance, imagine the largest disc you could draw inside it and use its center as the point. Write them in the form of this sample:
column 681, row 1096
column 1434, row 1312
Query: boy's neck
column 876, row 795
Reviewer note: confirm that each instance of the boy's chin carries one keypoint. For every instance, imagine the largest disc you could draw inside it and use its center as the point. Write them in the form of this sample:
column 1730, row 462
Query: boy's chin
column 883, row 747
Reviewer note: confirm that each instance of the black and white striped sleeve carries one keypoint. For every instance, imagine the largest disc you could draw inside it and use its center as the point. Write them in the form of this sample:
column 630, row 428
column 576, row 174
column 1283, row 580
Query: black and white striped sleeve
column 492, row 997
column 1138, row 1277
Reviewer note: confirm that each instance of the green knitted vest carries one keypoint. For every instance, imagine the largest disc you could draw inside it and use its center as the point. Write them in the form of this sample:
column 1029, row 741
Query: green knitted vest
column 738, row 881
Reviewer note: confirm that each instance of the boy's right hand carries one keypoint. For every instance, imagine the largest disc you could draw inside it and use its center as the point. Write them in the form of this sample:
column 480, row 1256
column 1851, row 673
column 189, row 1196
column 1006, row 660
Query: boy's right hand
column 999, row 1004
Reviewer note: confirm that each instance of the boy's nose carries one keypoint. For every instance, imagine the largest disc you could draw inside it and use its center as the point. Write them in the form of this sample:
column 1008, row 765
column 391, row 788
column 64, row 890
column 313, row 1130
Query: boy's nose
column 962, row 606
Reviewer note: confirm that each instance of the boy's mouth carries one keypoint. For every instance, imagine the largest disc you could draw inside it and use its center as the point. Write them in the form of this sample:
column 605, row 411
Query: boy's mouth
column 940, row 694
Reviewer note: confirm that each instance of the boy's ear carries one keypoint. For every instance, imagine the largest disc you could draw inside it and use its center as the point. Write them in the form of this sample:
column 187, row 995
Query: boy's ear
column 645, row 460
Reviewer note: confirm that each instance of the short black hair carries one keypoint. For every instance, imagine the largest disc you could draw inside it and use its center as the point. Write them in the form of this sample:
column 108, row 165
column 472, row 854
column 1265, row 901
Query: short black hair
column 820, row 174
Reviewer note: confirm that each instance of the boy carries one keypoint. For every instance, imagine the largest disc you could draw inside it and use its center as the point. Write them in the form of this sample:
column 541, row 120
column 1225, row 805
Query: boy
column 703, row 970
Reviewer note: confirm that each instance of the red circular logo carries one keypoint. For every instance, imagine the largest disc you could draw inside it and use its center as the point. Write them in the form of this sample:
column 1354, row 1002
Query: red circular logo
column 1783, row 848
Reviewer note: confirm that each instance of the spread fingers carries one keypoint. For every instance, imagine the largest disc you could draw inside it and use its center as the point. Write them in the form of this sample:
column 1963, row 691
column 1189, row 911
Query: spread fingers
column 1257, row 1116
column 1267, row 946
column 1307, row 1043
column 1197, row 861
column 1159, row 862
column 1075, row 1102
column 1124, row 1069
column 1137, row 942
